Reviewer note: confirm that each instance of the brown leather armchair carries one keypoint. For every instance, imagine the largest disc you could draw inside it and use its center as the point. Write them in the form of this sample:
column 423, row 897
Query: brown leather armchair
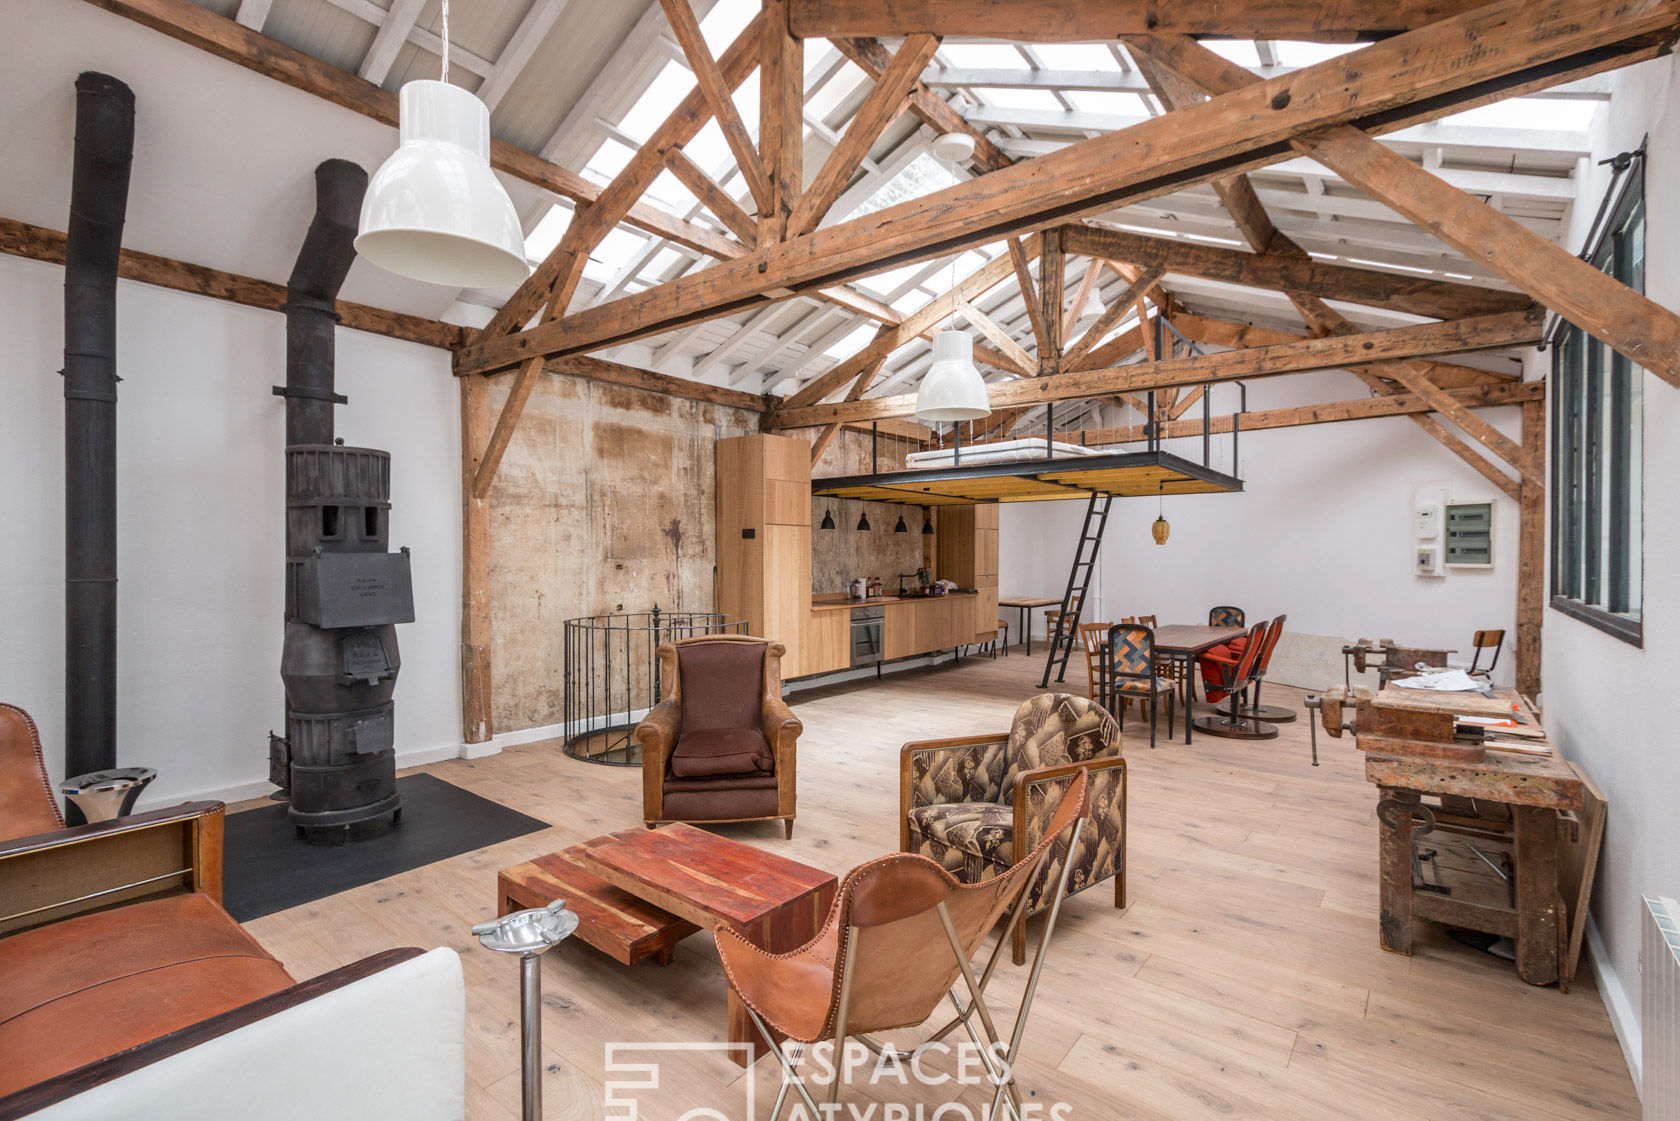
column 720, row 745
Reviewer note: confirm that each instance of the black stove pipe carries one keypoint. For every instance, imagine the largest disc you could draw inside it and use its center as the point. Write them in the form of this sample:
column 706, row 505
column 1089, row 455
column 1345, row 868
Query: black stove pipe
column 104, row 150
column 311, row 293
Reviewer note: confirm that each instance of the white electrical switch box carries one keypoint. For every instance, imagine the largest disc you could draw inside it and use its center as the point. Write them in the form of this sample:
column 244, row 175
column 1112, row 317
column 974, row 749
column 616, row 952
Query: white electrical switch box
column 1428, row 561
column 1427, row 525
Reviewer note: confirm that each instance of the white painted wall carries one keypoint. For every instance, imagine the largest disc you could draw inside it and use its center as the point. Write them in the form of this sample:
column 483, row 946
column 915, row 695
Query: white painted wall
column 201, row 530
column 1321, row 532
column 1606, row 701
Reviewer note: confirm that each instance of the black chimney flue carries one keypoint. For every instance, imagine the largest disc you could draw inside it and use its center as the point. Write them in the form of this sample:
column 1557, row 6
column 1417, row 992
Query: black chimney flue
column 104, row 150
column 311, row 293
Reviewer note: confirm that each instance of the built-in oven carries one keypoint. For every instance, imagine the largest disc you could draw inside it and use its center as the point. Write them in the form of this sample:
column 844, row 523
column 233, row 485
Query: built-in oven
column 869, row 633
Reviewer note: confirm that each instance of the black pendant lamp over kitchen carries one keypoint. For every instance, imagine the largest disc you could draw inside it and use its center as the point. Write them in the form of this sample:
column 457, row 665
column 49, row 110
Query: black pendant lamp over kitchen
column 863, row 522
column 927, row 522
column 901, row 527
column 828, row 519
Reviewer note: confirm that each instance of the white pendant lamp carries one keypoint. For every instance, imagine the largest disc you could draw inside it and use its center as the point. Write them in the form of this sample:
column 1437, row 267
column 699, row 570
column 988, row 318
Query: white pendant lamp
column 434, row 210
column 952, row 388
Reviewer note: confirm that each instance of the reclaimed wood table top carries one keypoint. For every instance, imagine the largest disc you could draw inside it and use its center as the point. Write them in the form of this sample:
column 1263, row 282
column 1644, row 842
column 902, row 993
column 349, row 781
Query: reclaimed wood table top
column 702, row 877
column 1027, row 601
column 1191, row 638
column 1514, row 777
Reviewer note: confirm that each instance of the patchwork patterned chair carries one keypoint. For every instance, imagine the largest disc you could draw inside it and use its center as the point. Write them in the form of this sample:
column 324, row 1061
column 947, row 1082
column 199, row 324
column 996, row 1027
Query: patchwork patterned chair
column 974, row 803
column 1227, row 617
column 1131, row 673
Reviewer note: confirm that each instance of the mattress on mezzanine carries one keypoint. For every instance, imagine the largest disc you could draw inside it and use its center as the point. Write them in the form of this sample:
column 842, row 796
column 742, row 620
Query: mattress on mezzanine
column 1005, row 451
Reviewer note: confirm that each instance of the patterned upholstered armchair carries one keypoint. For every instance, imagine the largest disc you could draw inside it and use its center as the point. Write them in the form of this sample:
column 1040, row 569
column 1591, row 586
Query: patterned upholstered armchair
column 974, row 803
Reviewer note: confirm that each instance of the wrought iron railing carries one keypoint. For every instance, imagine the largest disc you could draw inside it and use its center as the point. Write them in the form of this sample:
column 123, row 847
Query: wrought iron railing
column 612, row 676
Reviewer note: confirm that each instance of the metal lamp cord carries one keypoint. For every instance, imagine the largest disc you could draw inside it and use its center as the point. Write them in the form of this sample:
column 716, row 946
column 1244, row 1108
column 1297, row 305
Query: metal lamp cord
column 445, row 77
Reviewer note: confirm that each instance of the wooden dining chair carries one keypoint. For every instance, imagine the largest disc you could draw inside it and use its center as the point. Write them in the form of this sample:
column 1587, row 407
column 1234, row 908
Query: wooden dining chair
column 1092, row 636
column 1053, row 617
column 1131, row 673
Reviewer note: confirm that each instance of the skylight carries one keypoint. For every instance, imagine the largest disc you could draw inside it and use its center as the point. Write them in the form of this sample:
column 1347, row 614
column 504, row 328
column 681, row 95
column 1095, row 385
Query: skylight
column 1108, row 101
column 1530, row 112
column 921, row 176
column 548, row 231
column 612, row 254
column 1239, row 51
column 657, row 102
column 609, row 159
column 983, row 56
column 708, row 148
column 851, row 342
column 1018, row 99
column 669, row 192
column 1292, row 53
column 1076, row 56
column 885, row 283
column 726, row 20
column 912, row 301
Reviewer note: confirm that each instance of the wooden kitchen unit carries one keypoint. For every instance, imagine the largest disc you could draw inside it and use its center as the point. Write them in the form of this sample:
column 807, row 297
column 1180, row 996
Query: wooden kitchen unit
column 764, row 565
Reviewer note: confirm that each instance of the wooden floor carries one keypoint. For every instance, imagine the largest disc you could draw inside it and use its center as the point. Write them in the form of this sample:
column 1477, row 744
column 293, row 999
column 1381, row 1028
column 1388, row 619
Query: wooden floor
column 1243, row 981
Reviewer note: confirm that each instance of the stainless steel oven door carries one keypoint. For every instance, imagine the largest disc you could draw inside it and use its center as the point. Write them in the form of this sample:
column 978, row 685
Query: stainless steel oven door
column 869, row 632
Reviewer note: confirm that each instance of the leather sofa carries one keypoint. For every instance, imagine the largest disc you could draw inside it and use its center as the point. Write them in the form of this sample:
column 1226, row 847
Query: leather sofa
column 720, row 745
column 127, row 991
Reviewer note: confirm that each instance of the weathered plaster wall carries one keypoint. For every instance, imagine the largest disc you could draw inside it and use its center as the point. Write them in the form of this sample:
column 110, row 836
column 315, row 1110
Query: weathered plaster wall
column 605, row 502
column 844, row 553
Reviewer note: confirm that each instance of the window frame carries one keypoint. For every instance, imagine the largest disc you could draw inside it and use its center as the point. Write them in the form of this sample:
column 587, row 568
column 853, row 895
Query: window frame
column 1582, row 585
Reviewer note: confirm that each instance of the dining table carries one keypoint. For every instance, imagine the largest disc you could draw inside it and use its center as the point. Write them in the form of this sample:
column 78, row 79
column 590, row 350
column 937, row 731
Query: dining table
column 1185, row 642
column 1025, row 605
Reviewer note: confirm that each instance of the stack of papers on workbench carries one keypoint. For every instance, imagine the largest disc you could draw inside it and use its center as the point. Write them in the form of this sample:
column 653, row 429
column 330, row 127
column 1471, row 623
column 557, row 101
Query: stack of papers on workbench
column 1449, row 681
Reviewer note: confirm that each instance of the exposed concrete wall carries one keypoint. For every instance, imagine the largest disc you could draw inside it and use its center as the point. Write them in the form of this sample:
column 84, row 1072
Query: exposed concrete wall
column 605, row 502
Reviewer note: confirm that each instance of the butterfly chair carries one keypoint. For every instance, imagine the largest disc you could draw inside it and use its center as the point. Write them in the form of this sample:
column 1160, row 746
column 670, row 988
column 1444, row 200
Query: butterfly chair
column 898, row 939
column 1131, row 673
column 1228, row 673
column 1226, row 617
column 1272, row 714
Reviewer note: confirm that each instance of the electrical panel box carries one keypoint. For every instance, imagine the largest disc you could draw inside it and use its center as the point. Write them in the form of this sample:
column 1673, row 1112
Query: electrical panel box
column 1428, row 561
column 1469, row 541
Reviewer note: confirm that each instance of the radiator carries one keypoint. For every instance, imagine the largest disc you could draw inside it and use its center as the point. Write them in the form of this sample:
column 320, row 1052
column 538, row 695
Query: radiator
column 1660, row 1056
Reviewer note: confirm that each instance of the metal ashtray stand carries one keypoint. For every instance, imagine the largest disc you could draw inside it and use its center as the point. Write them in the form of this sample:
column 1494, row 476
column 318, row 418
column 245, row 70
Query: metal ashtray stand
column 529, row 934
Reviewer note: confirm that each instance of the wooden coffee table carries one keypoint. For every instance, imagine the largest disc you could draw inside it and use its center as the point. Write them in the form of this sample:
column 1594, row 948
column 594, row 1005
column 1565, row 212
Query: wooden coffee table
column 639, row 892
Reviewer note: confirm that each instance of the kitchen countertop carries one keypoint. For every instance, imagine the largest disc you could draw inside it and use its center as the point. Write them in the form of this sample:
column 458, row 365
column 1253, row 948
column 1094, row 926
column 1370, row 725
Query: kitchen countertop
column 836, row 601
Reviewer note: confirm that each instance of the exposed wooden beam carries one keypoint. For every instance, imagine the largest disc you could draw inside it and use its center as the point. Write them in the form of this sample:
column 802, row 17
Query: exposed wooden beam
column 1029, row 291
column 883, row 103
column 1637, row 327
column 1052, row 21
column 507, row 422
column 1531, row 554
column 20, row 239
column 1081, row 297
column 559, row 273
column 713, row 197
column 1416, row 295
column 718, row 93
column 873, row 59
column 976, row 284
column 1052, row 278
column 1362, row 408
column 1229, row 333
column 781, row 121
column 1470, row 59
column 222, row 37
column 477, row 711
column 1017, row 360
column 1331, row 352
column 1073, row 358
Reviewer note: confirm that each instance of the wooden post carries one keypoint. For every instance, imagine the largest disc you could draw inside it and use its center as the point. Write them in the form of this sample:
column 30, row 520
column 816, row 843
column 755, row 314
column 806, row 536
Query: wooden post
column 477, row 725
column 781, row 122
column 1052, row 276
column 1531, row 550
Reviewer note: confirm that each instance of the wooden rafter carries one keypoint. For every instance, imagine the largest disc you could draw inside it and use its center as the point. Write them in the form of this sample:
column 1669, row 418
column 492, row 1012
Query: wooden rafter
column 713, row 197
column 781, row 121
column 1416, row 295
column 1017, row 360
column 1496, row 332
column 873, row 58
column 1635, row 326
column 718, row 94
column 1029, row 291
column 1073, row 358
column 1050, row 21
column 1052, row 279
column 202, row 28
column 1470, row 59
column 1081, row 297
column 884, row 102
column 557, row 276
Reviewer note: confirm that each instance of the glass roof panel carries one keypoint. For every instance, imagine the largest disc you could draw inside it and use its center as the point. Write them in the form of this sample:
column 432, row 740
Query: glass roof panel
column 1108, row 101
column 1018, row 99
column 609, row 159
column 1076, row 56
column 708, row 148
column 1292, row 53
column 851, row 342
column 656, row 103
column 921, row 176
column 912, row 301
column 1239, row 51
column 669, row 192
column 612, row 254
column 982, row 55
column 725, row 21
column 548, row 231
column 1530, row 112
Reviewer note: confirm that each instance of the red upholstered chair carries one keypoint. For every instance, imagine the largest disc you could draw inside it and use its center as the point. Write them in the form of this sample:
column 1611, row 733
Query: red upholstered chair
column 720, row 745
column 1228, row 673
column 1255, row 710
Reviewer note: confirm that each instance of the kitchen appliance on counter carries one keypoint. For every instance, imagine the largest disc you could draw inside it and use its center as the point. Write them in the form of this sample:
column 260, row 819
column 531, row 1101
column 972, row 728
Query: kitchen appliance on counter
column 869, row 635
column 858, row 590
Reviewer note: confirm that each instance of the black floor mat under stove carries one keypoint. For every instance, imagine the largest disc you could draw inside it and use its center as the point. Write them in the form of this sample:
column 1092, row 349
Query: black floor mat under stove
column 266, row 868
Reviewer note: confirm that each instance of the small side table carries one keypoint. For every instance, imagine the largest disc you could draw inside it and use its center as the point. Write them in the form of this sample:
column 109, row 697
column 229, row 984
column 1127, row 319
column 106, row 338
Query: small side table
column 103, row 795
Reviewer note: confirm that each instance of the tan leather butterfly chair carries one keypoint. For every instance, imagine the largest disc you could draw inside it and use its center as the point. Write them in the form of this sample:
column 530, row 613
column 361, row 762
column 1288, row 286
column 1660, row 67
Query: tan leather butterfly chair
column 900, row 934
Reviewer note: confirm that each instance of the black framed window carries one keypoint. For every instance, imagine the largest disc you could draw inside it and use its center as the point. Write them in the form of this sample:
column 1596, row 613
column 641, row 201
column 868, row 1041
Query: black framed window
column 1597, row 448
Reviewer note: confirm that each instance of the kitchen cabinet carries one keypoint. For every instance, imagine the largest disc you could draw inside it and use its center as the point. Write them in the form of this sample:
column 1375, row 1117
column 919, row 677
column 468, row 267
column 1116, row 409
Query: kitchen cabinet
column 828, row 645
column 923, row 626
column 764, row 539
column 967, row 552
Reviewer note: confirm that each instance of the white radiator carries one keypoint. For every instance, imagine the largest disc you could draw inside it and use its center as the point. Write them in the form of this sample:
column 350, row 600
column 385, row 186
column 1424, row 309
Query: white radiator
column 1660, row 1057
